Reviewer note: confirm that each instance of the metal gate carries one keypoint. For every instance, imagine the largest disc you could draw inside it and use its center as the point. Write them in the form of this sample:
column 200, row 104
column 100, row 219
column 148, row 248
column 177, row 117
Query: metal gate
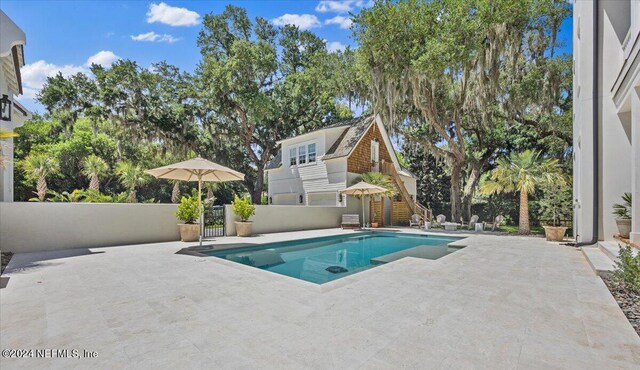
column 213, row 222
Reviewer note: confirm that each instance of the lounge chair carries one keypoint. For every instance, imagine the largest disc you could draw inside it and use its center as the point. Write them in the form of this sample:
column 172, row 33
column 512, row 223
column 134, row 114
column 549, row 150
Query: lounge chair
column 440, row 220
column 472, row 222
column 350, row 221
column 495, row 224
column 416, row 220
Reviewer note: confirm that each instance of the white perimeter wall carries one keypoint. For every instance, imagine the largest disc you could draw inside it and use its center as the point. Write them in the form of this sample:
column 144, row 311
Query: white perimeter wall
column 31, row 227
column 274, row 218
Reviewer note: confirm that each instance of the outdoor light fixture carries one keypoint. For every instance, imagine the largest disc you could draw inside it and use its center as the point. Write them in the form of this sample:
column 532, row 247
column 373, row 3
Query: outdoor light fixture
column 270, row 200
column 339, row 198
column 5, row 108
column 301, row 198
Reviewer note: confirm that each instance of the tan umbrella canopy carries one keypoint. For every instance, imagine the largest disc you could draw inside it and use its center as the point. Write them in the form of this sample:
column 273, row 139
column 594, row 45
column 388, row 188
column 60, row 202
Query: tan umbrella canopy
column 361, row 189
column 197, row 169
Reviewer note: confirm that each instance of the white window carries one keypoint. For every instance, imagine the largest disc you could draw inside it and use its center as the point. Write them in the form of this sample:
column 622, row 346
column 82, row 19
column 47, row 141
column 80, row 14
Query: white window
column 292, row 156
column 302, row 154
column 311, row 152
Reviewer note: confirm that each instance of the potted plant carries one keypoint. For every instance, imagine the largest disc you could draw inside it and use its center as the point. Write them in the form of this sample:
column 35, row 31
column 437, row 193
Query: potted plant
column 555, row 206
column 623, row 215
column 243, row 209
column 188, row 213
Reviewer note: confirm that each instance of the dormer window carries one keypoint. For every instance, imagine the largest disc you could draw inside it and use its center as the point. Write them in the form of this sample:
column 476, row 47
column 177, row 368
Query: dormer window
column 302, row 154
column 292, row 157
column 311, row 148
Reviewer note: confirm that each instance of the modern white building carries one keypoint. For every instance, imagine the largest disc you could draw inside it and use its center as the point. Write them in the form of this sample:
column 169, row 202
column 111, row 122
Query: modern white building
column 13, row 114
column 311, row 169
column 606, row 123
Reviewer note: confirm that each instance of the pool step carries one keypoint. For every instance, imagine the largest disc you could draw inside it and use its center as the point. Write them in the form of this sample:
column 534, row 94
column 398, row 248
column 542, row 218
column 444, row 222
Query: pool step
column 600, row 261
column 421, row 251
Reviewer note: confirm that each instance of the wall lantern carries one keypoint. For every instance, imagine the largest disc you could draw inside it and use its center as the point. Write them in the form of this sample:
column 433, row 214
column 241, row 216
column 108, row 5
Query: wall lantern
column 340, row 198
column 270, row 200
column 301, row 198
column 5, row 108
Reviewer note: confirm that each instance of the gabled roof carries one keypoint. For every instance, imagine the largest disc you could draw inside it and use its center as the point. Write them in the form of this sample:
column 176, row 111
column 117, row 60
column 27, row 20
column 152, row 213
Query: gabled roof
column 349, row 138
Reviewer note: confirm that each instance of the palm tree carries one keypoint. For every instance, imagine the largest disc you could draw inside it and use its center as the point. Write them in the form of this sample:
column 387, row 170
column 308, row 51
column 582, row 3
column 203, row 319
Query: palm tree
column 523, row 173
column 94, row 167
column 37, row 167
column 131, row 177
column 5, row 134
column 381, row 180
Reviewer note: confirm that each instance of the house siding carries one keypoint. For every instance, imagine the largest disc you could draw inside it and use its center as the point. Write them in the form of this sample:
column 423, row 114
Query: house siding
column 359, row 161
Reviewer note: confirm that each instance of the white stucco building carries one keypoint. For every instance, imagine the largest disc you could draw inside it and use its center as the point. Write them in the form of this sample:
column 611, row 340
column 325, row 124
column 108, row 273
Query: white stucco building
column 606, row 85
column 12, row 41
column 311, row 169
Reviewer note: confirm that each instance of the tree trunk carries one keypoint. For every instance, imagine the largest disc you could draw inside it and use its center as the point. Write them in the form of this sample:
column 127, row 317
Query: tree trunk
column 175, row 193
column 258, row 185
column 132, row 196
column 94, row 184
column 456, row 206
column 41, row 188
column 523, row 226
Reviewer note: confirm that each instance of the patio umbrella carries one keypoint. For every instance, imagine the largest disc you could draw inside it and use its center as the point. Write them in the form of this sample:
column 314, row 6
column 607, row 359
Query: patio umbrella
column 197, row 169
column 361, row 189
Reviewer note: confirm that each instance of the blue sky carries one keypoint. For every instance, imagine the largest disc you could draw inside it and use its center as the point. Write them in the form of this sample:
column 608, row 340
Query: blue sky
column 67, row 36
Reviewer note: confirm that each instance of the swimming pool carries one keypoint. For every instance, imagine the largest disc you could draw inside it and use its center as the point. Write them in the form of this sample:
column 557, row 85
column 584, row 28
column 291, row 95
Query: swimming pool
column 320, row 260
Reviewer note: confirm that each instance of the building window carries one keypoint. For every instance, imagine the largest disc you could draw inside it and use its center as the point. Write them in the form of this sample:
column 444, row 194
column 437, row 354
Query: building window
column 302, row 154
column 292, row 156
column 311, row 149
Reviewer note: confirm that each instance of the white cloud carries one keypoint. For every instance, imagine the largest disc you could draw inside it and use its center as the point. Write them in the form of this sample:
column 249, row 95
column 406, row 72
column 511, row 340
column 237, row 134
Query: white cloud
column 104, row 58
column 154, row 37
column 303, row 21
column 171, row 15
column 335, row 6
column 343, row 22
column 335, row 46
column 35, row 74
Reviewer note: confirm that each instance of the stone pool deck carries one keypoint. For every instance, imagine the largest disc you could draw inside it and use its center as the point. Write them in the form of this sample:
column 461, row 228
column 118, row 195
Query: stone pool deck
column 501, row 302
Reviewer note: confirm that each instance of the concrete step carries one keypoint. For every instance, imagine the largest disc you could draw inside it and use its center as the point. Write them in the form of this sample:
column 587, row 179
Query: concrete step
column 600, row 262
column 611, row 248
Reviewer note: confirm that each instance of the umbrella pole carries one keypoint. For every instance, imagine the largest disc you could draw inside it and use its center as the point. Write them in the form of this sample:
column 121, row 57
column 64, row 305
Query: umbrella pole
column 362, row 201
column 200, row 206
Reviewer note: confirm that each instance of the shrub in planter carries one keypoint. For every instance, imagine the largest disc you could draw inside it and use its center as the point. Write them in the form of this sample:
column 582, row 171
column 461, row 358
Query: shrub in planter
column 244, row 209
column 628, row 269
column 189, row 213
column 622, row 212
column 556, row 205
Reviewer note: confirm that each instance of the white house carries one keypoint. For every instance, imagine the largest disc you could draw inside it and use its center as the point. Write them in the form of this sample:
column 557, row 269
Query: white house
column 13, row 114
column 311, row 169
column 606, row 85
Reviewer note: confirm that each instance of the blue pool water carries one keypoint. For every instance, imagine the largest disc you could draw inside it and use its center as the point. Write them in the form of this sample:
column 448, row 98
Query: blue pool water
column 324, row 259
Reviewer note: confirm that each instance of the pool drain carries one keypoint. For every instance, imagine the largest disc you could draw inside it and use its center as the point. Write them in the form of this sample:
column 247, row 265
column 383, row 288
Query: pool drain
column 336, row 269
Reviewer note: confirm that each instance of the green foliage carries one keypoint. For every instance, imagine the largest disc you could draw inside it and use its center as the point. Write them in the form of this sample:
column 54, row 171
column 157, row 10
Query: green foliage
column 243, row 208
column 623, row 210
column 556, row 203
column 628, row 268
column 94, row 167
column 432, row 179
column 37, row 166
column 378, row 179
column 131, row 176
column 522, row 172
column 188, row 210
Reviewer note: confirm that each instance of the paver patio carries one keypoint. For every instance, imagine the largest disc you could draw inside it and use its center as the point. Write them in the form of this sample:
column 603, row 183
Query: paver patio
column 501, row 302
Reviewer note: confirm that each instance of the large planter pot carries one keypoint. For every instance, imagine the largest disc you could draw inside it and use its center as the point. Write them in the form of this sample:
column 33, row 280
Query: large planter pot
column 243, row 228
column 555, row 233
column 374, row 225
column 624, row 227
column 189, row 232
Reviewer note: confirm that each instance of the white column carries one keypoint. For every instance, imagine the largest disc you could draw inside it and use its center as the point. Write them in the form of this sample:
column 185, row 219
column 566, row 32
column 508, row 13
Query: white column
column 635, row 165
column 6, row 173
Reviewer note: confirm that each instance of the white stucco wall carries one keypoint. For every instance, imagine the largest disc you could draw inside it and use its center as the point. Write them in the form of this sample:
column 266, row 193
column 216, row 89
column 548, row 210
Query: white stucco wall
column 30, row 227
column 272, row 219
column 617, row 162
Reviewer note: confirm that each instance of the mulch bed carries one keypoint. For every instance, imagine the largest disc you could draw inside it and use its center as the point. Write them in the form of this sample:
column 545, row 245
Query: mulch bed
column 628, row 301
column 6, row 256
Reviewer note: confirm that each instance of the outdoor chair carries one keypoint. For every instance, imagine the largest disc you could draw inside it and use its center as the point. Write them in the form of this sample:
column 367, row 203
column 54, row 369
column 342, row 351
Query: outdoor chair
column 440, row 219
column 350, row 221
column 416, row 220
column 472, row 222
column 495, row 224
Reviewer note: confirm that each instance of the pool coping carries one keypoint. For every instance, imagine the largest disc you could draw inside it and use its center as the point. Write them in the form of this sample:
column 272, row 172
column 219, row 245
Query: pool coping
column 461, row 244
